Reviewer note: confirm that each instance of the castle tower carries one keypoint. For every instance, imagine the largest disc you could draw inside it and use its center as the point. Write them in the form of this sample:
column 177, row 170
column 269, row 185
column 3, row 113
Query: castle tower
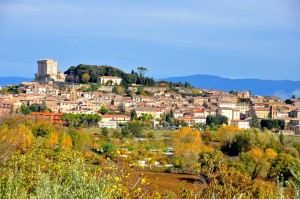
column 47, row 72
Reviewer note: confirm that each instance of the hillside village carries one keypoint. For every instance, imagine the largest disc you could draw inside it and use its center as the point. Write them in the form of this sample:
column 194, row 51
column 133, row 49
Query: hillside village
column 188, row 105
column 96, row 129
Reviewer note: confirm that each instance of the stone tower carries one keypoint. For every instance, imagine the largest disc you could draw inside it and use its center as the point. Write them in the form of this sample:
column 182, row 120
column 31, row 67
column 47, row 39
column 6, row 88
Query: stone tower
column 47, row 72
column 72, row 94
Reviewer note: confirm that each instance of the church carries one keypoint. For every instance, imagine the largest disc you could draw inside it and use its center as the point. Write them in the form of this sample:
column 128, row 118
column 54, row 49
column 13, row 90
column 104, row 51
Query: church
column 47, row 72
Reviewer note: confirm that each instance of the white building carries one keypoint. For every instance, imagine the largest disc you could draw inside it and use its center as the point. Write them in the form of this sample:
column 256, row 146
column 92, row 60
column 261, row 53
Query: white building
column 112, row 120
column 241, row 124
column 110, row 80
column 226, row 105
column 231, row 114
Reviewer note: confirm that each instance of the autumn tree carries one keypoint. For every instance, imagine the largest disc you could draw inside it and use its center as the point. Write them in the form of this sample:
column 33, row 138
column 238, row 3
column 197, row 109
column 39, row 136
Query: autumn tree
column 258, row 161
column 15, row 135
column 85, row 78
column 187, row 143
column 52, row 139
column 250, row 139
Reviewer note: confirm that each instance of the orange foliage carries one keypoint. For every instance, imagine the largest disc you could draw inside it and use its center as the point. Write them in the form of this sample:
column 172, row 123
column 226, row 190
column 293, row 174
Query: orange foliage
column 256, row 154
column 270, row 154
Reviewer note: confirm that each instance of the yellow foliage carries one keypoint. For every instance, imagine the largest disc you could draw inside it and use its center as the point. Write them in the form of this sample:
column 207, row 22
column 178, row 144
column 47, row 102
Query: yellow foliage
column 256, row 154
column 270, row 154
column 187, row 141
column 52, row 139
column 195, row 92
column 143, row 93
column 88, row 154
column 227, row 132
column 66, row 141
column 19, row 137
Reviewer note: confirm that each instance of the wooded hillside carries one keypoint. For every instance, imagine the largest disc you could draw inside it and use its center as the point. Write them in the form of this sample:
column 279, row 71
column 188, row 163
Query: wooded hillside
column 90, row 74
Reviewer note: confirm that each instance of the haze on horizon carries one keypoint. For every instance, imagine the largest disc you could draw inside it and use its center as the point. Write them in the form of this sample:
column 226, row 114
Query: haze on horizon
column 235, row 39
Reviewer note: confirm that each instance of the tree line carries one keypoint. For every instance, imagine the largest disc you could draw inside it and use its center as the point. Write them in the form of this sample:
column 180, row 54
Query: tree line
column 90, row 74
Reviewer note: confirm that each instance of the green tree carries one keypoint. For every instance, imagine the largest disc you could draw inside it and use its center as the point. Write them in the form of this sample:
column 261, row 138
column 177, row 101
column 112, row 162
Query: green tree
column 272, row 124
column 217, row 120
column 103, row 110
column 146, row 117
column 104, row 131
column 135, row 128
column 281, row 167
column 42, row 130
column 115, row 90
column 281, row 138
column 142, row 71
column 255, row 122
column 109, row 149
column 94, row 87
column 109, row 82
column 81, row 120
column 25, row 109
column 132, row 129
column 133, row 115
column 288, row 101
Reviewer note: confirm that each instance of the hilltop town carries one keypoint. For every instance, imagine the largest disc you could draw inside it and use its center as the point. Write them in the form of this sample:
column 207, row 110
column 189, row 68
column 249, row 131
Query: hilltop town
column 188, row 106
column 103, row 132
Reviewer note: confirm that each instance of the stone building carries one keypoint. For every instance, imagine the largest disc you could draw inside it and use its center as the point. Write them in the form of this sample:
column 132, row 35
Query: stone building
column 47, row 72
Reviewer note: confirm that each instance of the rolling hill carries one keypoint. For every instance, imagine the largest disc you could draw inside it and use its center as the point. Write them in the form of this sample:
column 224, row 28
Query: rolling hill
column 280, row 88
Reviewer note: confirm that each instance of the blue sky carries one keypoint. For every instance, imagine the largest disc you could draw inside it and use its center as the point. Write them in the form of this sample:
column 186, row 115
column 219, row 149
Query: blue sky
column 232, row 38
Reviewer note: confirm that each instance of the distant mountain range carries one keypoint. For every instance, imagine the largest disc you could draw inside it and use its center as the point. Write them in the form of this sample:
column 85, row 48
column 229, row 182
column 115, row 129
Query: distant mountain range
column 13, row 80
column 281, row 88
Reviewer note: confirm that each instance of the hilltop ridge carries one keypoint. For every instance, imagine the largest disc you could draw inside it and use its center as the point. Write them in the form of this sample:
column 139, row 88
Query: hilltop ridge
column 281, row 88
